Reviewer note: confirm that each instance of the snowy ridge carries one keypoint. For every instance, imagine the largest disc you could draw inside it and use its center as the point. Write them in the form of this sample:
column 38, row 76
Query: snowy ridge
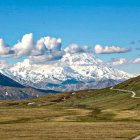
column 71, row 72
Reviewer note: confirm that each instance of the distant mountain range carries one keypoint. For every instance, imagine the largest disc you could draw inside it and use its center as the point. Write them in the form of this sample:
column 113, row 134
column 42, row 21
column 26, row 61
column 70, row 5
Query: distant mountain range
column 12, row 90
column 71, row 72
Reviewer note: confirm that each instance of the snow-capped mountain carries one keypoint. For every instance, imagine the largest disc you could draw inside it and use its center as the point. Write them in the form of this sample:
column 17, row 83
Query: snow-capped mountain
column 71, row 72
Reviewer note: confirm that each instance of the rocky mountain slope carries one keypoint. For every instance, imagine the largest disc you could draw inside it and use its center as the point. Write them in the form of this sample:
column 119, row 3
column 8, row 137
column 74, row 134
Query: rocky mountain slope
column 12, row 90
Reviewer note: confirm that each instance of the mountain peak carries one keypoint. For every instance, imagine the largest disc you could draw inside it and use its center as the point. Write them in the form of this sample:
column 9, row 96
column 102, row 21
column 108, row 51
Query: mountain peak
column 77, row 69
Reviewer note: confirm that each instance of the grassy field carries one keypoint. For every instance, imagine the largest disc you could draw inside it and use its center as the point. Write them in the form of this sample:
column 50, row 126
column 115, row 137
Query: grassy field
column 69, row 131
column 86, row 115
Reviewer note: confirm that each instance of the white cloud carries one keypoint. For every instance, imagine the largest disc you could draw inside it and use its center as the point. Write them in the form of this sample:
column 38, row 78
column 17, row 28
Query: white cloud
column 137, row 60
column 98, row 49
column 40, row 47
column 25, row 46
column 47, row 44
column 55, row 55
column 123, row 61
column 119, row 61
column 44, row 49
column 52, row 43
column 74, row 48
column 49, row 49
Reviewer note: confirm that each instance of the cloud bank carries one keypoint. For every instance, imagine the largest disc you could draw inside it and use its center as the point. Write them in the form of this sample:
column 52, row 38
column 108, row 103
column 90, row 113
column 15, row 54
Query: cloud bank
column 49, row 49
column 75, row 48
column 123, row 61
column 43, row 50
column 98, row 49
column 119, row 61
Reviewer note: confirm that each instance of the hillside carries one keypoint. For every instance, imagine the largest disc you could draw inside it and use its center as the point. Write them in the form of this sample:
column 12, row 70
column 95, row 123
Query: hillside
column 6, row 81
column 12, row 90
column 81, row 112
column 131, row 84
column 103, row 99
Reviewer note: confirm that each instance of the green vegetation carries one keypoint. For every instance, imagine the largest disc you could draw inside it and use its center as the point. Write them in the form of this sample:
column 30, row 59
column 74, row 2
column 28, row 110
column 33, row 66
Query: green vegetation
column 131, row 84
column 93, row 114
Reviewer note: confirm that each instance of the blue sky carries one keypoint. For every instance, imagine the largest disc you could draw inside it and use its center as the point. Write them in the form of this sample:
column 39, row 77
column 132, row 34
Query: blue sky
column 85, row 22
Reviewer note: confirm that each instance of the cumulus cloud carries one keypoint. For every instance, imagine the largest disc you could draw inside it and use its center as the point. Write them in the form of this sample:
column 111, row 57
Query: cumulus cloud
column 25, row 46
column 47, row 44
column 119, row 61
column 52, row 43
column 43, row 50
column 46, row 49
column 75, row 48
column 98, row 49
column 123, row 61
column 40, row 59
column 49, row 49
column 39, row 48
column 137, row 60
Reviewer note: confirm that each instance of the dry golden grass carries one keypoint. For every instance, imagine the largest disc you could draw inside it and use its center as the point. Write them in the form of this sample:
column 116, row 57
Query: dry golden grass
column 40, row 114
column 128, row 114
column 69, row 131
column 61, row 124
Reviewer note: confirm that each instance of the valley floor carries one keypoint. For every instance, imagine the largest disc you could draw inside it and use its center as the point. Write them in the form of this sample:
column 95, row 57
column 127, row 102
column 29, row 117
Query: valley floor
column 84, row 115
column 69, row 131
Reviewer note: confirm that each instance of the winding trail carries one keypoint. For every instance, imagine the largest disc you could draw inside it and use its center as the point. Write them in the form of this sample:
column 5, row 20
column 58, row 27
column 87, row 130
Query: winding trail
column 133, row 96
column 137, row 138
column 122, row 90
